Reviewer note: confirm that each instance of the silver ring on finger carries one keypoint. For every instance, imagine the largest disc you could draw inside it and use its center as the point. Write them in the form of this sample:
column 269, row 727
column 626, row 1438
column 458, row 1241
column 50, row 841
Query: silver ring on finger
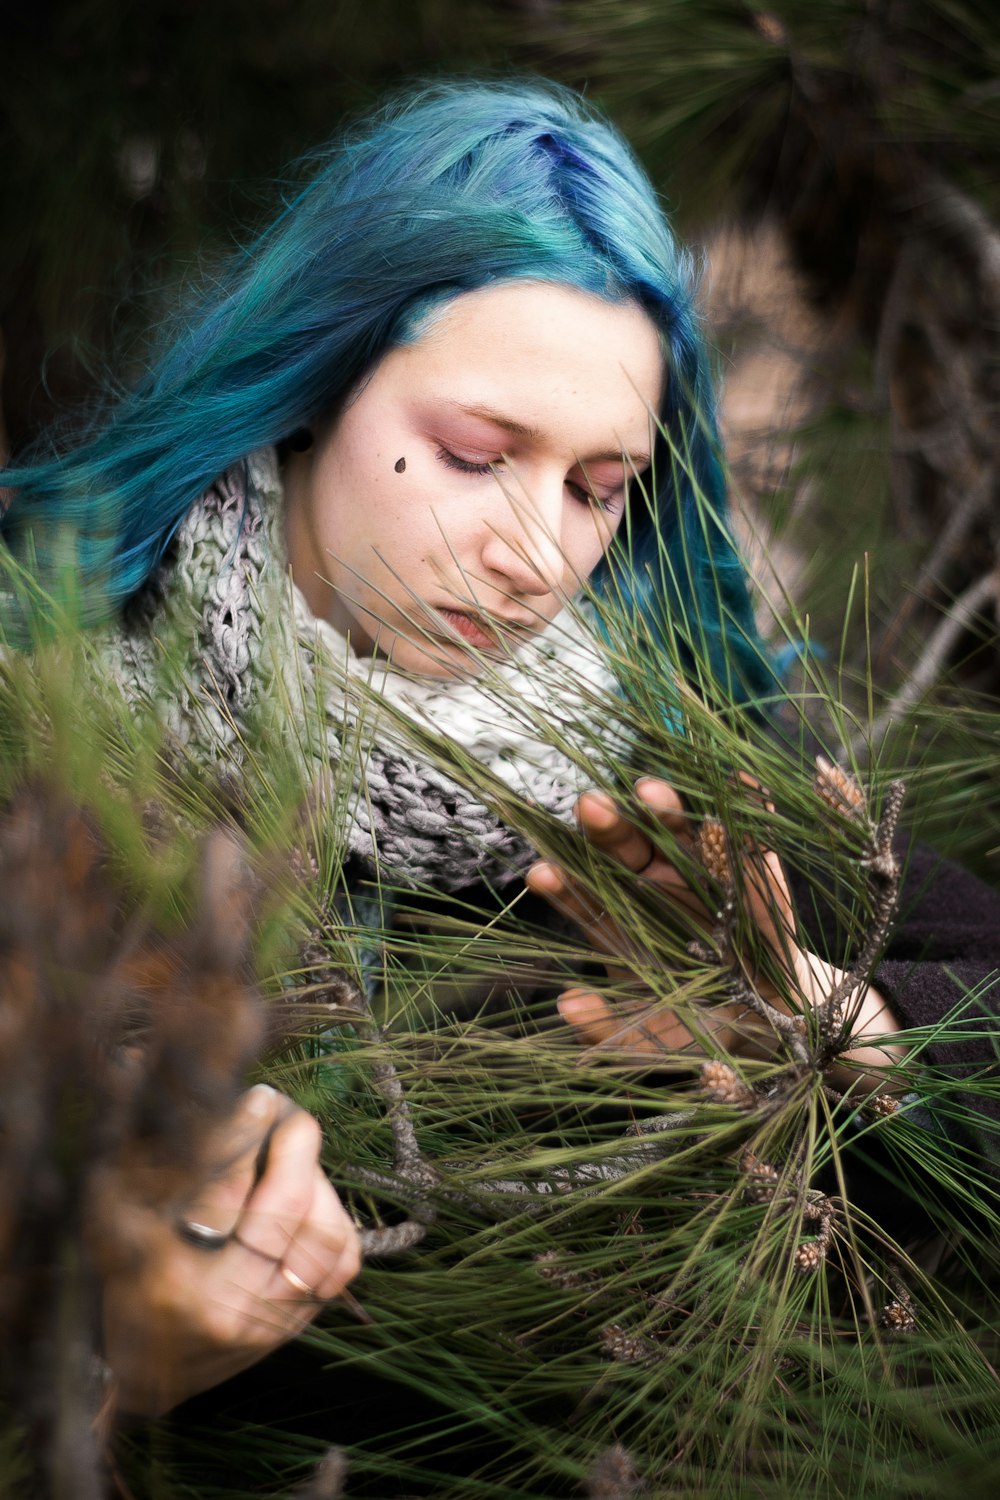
column 203, row 1236
column 298, row 1285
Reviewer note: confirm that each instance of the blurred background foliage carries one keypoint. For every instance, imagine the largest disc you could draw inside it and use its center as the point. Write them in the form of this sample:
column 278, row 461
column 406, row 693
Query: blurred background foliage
column 836, row 159
column 135, row 137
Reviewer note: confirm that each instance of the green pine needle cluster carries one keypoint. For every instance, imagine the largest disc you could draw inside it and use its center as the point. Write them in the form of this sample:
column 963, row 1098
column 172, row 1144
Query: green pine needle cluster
column 733, row 1276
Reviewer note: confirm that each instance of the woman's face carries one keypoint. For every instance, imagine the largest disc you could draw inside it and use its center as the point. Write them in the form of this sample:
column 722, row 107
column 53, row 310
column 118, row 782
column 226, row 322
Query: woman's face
column 477, row 476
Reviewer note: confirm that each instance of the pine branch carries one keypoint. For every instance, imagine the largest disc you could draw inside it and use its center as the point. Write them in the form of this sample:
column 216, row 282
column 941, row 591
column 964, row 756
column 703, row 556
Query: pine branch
column 946, row 210
column 412, row 1174
column 883, row 871
column 970, row 506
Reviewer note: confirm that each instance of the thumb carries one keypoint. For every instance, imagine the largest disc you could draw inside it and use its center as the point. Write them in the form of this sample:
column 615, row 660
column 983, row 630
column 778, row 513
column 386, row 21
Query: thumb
column 233, row 1160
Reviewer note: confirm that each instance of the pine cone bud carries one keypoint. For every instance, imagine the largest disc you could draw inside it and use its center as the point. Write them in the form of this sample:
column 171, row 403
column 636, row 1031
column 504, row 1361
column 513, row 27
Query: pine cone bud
column 627, row 1348
column 882, row 1105
column 898, row 1316
column 614, row 1476
column 809, row 1257
column 722, row 1084
column 763, row 1179
column 713, row 852
column 838, row 789
column 550, row 1265
column 327, row 1480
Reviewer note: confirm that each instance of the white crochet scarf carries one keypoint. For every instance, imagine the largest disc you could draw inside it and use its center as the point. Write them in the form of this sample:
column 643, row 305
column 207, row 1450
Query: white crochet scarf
column 252, row 641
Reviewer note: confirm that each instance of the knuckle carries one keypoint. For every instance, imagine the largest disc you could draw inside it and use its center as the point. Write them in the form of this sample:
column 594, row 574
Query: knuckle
column 257, row 1233
column 295, row 1212
column 225, row 1325
column 304, row 1130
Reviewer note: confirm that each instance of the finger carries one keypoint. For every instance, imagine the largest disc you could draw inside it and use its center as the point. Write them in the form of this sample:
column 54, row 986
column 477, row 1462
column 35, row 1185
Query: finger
column 608, row 829
column 600, row 929
column 665, row 804
column 769, row 897
column 572, row 901
column 589, row 1014
column 765, row 885
column 768, row 904
column 640, row 1032
column 326, row 1252
column 569, row 898
column 233, row 1155
column 283, row 1196
column 759, row 792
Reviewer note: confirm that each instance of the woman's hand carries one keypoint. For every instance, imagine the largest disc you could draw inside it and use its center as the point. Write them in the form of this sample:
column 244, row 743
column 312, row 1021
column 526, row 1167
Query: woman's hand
column 651, row 1029
column 243, row 1268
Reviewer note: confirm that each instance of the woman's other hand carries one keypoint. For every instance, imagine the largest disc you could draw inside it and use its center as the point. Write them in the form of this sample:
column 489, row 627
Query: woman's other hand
column 644, row 1030
column 243, row 1268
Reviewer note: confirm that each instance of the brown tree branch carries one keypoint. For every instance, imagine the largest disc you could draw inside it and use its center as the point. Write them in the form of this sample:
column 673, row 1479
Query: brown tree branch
column 932, row 662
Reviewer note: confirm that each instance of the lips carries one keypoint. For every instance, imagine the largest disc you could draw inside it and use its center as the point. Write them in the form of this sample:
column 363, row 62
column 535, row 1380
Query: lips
column 486, row 634
column 472, row 628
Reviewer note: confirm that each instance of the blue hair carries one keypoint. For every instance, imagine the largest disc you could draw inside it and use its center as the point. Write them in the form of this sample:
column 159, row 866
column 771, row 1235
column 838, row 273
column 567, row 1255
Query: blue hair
column 449, row 188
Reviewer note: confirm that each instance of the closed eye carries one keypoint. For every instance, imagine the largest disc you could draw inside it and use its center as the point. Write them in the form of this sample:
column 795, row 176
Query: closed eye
column 466, row 465
column 580, row 492
column 611, row 503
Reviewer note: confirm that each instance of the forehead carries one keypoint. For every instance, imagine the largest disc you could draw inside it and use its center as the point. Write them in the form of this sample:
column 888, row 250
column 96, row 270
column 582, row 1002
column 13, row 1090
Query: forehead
column 552, row 358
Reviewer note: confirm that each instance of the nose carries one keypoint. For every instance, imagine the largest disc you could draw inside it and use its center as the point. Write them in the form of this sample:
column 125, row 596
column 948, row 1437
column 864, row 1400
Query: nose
column 522, row 541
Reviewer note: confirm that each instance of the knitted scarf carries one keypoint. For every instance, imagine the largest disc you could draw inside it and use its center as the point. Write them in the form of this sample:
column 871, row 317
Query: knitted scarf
column 250, row 640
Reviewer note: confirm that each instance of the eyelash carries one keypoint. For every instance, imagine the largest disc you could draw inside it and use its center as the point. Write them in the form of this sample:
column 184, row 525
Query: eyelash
column 452, row 461
column 464, row 466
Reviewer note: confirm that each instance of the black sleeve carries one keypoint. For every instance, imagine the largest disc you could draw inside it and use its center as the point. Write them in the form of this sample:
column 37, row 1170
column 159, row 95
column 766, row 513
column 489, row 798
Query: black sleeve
column 944, row 957
column 944, row 953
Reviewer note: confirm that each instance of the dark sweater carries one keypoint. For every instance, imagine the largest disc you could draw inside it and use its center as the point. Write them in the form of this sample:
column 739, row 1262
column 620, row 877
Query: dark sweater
column 944, row 946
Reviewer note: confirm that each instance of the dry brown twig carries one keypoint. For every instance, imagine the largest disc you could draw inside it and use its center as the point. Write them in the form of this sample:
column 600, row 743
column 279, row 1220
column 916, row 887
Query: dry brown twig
column 942, row 641
column 412, row 1177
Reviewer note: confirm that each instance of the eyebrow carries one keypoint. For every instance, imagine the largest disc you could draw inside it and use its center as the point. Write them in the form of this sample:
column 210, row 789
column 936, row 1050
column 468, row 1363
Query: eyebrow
column 521, row 429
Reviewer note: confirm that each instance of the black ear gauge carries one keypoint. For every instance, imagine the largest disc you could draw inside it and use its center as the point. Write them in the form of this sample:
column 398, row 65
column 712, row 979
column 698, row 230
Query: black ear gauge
column 300, row 441
column 400, row 466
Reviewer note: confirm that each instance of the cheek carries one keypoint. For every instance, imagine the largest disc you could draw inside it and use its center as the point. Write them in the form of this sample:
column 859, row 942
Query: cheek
column 366, row 508
column 405, row 523
column 592, row 535
column 436, row 519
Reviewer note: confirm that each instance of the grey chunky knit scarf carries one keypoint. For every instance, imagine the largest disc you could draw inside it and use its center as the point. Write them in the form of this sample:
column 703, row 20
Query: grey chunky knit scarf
column 250, row 643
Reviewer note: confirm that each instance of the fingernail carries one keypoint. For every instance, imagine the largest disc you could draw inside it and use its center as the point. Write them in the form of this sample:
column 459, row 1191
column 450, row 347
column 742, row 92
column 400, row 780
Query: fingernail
column 597, row 811
column 259, row 1101
column 656, row 793
column 571, row 1009
column 597, row 799
column 544, row 877
column 602, row 798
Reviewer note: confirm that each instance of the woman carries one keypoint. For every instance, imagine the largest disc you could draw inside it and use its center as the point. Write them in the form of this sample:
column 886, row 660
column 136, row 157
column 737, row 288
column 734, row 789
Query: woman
column 429, row 389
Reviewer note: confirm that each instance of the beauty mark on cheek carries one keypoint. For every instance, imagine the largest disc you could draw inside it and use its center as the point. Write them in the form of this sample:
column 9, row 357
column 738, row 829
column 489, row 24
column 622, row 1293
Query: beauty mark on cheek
column 400, row 466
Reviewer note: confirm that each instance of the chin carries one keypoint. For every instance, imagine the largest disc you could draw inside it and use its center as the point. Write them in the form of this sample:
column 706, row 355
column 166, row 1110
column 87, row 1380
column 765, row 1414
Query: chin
column 437, row 659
